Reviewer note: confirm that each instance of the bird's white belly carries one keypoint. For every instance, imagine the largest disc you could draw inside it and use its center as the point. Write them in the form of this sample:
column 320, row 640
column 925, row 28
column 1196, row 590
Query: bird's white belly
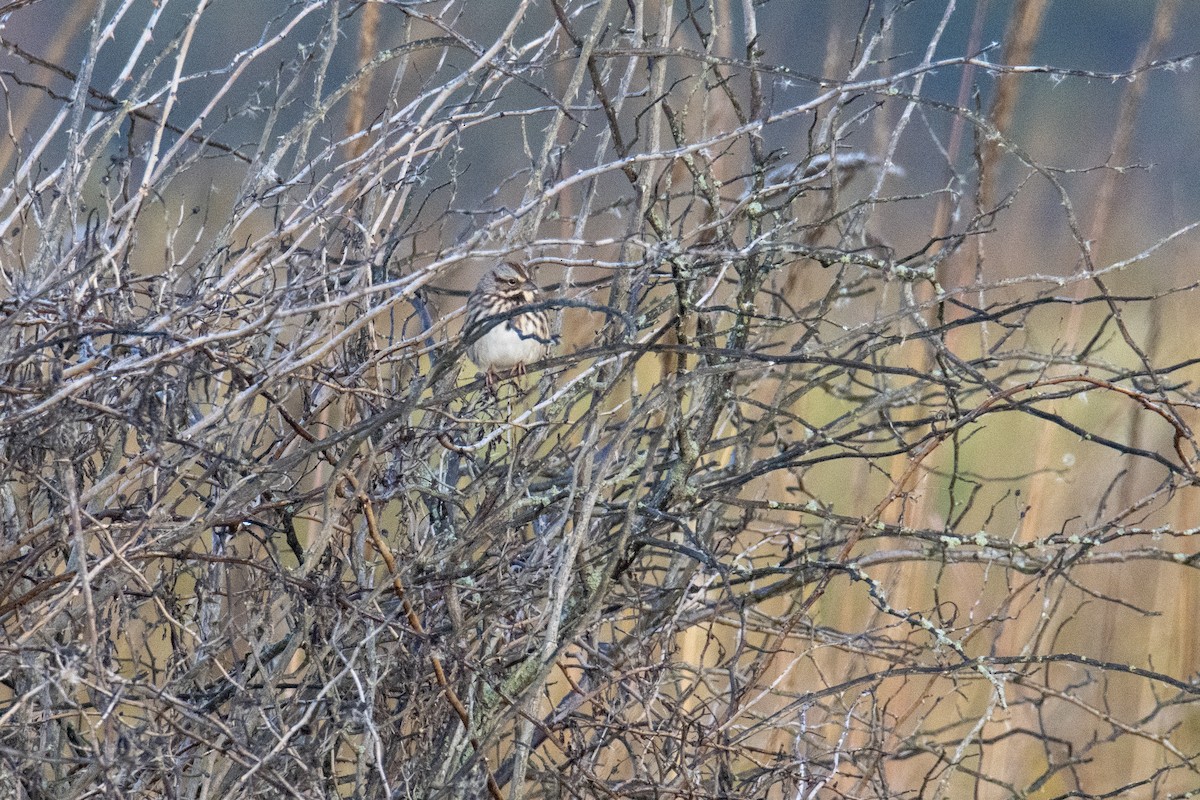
column 504, row 348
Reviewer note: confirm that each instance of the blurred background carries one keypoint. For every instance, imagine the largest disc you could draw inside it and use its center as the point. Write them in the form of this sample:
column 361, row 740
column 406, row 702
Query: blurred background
column 1066, row 120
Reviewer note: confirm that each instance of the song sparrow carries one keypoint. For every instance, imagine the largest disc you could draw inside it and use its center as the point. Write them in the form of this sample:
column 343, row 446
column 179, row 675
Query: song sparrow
column 499, row 339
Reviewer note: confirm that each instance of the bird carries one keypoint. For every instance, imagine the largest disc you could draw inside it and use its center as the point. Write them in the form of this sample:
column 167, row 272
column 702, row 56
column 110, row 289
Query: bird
column 496, row 337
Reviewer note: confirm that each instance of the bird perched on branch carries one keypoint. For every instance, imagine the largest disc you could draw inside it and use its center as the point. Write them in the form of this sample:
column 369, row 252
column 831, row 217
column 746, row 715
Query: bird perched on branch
column 498, row 338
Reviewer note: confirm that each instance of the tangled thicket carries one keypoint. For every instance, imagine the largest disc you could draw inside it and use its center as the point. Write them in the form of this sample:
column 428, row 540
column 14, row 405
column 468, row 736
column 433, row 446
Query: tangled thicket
column 821, row 497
